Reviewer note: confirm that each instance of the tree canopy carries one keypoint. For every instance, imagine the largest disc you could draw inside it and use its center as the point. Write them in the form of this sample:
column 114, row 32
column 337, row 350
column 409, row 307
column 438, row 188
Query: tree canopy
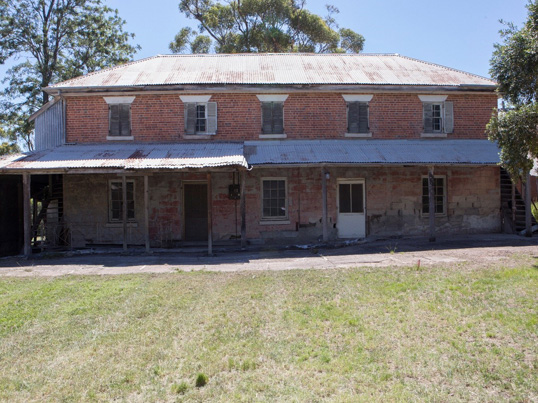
column 247, row 26
column 515, row 67
column 54, row 40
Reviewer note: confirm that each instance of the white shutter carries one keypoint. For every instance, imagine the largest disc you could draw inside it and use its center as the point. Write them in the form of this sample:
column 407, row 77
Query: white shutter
column 449, row 117
column 211, row 118
column 190, row 118
column 428, row 117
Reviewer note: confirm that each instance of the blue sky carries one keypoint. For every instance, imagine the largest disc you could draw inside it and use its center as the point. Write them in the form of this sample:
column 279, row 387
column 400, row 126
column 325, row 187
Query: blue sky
column 455, row 33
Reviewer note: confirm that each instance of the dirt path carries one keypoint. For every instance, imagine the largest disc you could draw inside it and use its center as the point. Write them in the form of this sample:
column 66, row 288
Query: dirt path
column 471, row 251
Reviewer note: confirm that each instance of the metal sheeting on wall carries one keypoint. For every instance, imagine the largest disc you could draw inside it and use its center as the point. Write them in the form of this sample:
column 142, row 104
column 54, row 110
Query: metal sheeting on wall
column 50, row 127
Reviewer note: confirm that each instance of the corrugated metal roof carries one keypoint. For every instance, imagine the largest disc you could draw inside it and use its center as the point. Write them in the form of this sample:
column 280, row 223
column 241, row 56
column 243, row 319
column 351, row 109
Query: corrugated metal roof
column 481, row 152
column 290, row 69
column 130, row 156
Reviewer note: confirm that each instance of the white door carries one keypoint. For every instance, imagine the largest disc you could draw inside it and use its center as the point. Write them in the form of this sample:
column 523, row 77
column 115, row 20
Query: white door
column 351, row 220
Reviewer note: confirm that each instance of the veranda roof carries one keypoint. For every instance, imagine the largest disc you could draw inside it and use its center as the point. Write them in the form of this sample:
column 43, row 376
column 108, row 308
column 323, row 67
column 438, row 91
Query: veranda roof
column 129, row 156
column 175, row 156
column 375, row 152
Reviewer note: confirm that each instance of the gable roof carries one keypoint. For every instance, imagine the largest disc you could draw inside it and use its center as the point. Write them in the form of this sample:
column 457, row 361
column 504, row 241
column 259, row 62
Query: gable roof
column 276, row 69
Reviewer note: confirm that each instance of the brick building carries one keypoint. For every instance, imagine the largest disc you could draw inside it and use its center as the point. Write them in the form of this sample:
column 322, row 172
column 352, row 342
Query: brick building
column 267, row 148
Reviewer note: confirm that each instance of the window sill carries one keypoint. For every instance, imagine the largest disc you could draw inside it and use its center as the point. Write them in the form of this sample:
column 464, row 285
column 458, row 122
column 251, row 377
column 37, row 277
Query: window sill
column 274, row 222
column 433, row 135
column 120, row 224
column 358, row 135
column 438, row 215
column 198, row 136
column 273, row 136
column 120, row 138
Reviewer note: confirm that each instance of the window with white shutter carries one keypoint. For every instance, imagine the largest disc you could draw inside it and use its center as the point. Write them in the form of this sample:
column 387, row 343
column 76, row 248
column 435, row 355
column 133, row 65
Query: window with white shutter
column 437, row 115
column 200, row 118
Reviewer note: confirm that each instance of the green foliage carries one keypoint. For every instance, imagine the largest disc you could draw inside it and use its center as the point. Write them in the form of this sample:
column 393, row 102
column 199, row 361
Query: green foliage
column 262, row 26
column 59, row 40
column 201, row 380
column 514, row 65
column 180, row 388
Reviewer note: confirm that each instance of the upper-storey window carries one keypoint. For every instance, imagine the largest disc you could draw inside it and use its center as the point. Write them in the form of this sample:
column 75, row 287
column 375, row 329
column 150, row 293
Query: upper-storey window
column 119, row 117
column 200, row 115
column 272, row 106
column 272, row 117
column 357, row 117
column 438, row 115
column 358, row 124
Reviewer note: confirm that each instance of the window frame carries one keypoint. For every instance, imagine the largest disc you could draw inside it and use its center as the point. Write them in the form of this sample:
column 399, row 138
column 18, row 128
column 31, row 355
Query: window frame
column 118, row 102
column 283, row 218
column 207, row 119
column 427, row 196
column 273, row 104
column 358, row 133
column 360, row 98
column 440, row 118
column 111, row 219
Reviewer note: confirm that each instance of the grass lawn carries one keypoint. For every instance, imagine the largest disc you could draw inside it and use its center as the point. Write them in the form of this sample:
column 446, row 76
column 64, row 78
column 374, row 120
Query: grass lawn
column 393, row 334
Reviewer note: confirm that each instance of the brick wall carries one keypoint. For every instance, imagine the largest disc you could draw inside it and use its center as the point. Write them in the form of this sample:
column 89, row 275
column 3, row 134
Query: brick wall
column 306, row 116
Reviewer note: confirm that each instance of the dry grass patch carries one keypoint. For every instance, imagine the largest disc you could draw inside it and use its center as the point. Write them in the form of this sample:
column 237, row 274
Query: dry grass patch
column 341, row 335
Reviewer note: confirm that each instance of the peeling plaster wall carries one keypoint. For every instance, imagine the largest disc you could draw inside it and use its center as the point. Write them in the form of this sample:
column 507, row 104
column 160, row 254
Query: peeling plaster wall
column 393, row 205
column 393, row 201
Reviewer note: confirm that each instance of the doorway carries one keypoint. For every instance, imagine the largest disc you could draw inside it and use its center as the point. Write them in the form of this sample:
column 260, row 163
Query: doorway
column 195, row 211
column 351, row 220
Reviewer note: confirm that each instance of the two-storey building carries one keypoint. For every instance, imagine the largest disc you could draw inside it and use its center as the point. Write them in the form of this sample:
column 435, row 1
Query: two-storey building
column 263, row 148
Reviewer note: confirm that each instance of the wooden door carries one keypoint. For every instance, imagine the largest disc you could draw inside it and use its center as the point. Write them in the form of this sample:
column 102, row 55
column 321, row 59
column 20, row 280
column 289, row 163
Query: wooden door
column 195, row 208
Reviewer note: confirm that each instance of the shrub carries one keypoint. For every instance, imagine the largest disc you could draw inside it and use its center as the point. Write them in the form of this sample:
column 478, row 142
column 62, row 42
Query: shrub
column 201, row 380
column 180, row 388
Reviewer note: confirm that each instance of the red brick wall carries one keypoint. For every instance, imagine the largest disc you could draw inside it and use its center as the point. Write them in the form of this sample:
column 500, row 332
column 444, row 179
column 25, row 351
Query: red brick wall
column 306, row 116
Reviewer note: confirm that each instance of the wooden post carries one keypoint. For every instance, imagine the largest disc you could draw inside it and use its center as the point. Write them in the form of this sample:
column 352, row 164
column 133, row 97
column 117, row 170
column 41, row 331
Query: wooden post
column 209, row 216
column 146, row 211
column 26, row 181
column 431, row 209
column 514, row 205
column 528, row 202
column 124, row 210
column 324, row 204
column 243, row 207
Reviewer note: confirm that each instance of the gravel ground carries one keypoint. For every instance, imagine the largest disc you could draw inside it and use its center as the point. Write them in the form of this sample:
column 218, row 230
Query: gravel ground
column 469, row 250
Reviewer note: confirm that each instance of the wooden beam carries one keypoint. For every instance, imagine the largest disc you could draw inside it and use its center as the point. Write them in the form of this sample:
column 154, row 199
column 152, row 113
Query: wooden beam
column 528, row 202
column 124, row 210
column 324, row 204
column 26, row 181
column 431, row 197
column 243, row 207
column 209, row 216
column 146, row 212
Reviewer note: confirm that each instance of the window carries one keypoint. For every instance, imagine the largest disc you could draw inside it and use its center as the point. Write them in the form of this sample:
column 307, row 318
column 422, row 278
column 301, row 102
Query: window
column 119, row 120
column 201, row 118
column 272, row 117
column 116, row 201
column 439, row 195
column 351, row 197
column 357, row 117
column 119, row 117
column 438, row 114
column 274, row 198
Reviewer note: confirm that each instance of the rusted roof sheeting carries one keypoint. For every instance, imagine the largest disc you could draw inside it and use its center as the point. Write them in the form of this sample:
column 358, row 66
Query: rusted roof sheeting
column 274, row 69
column 130, row 156
column 382, row 152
